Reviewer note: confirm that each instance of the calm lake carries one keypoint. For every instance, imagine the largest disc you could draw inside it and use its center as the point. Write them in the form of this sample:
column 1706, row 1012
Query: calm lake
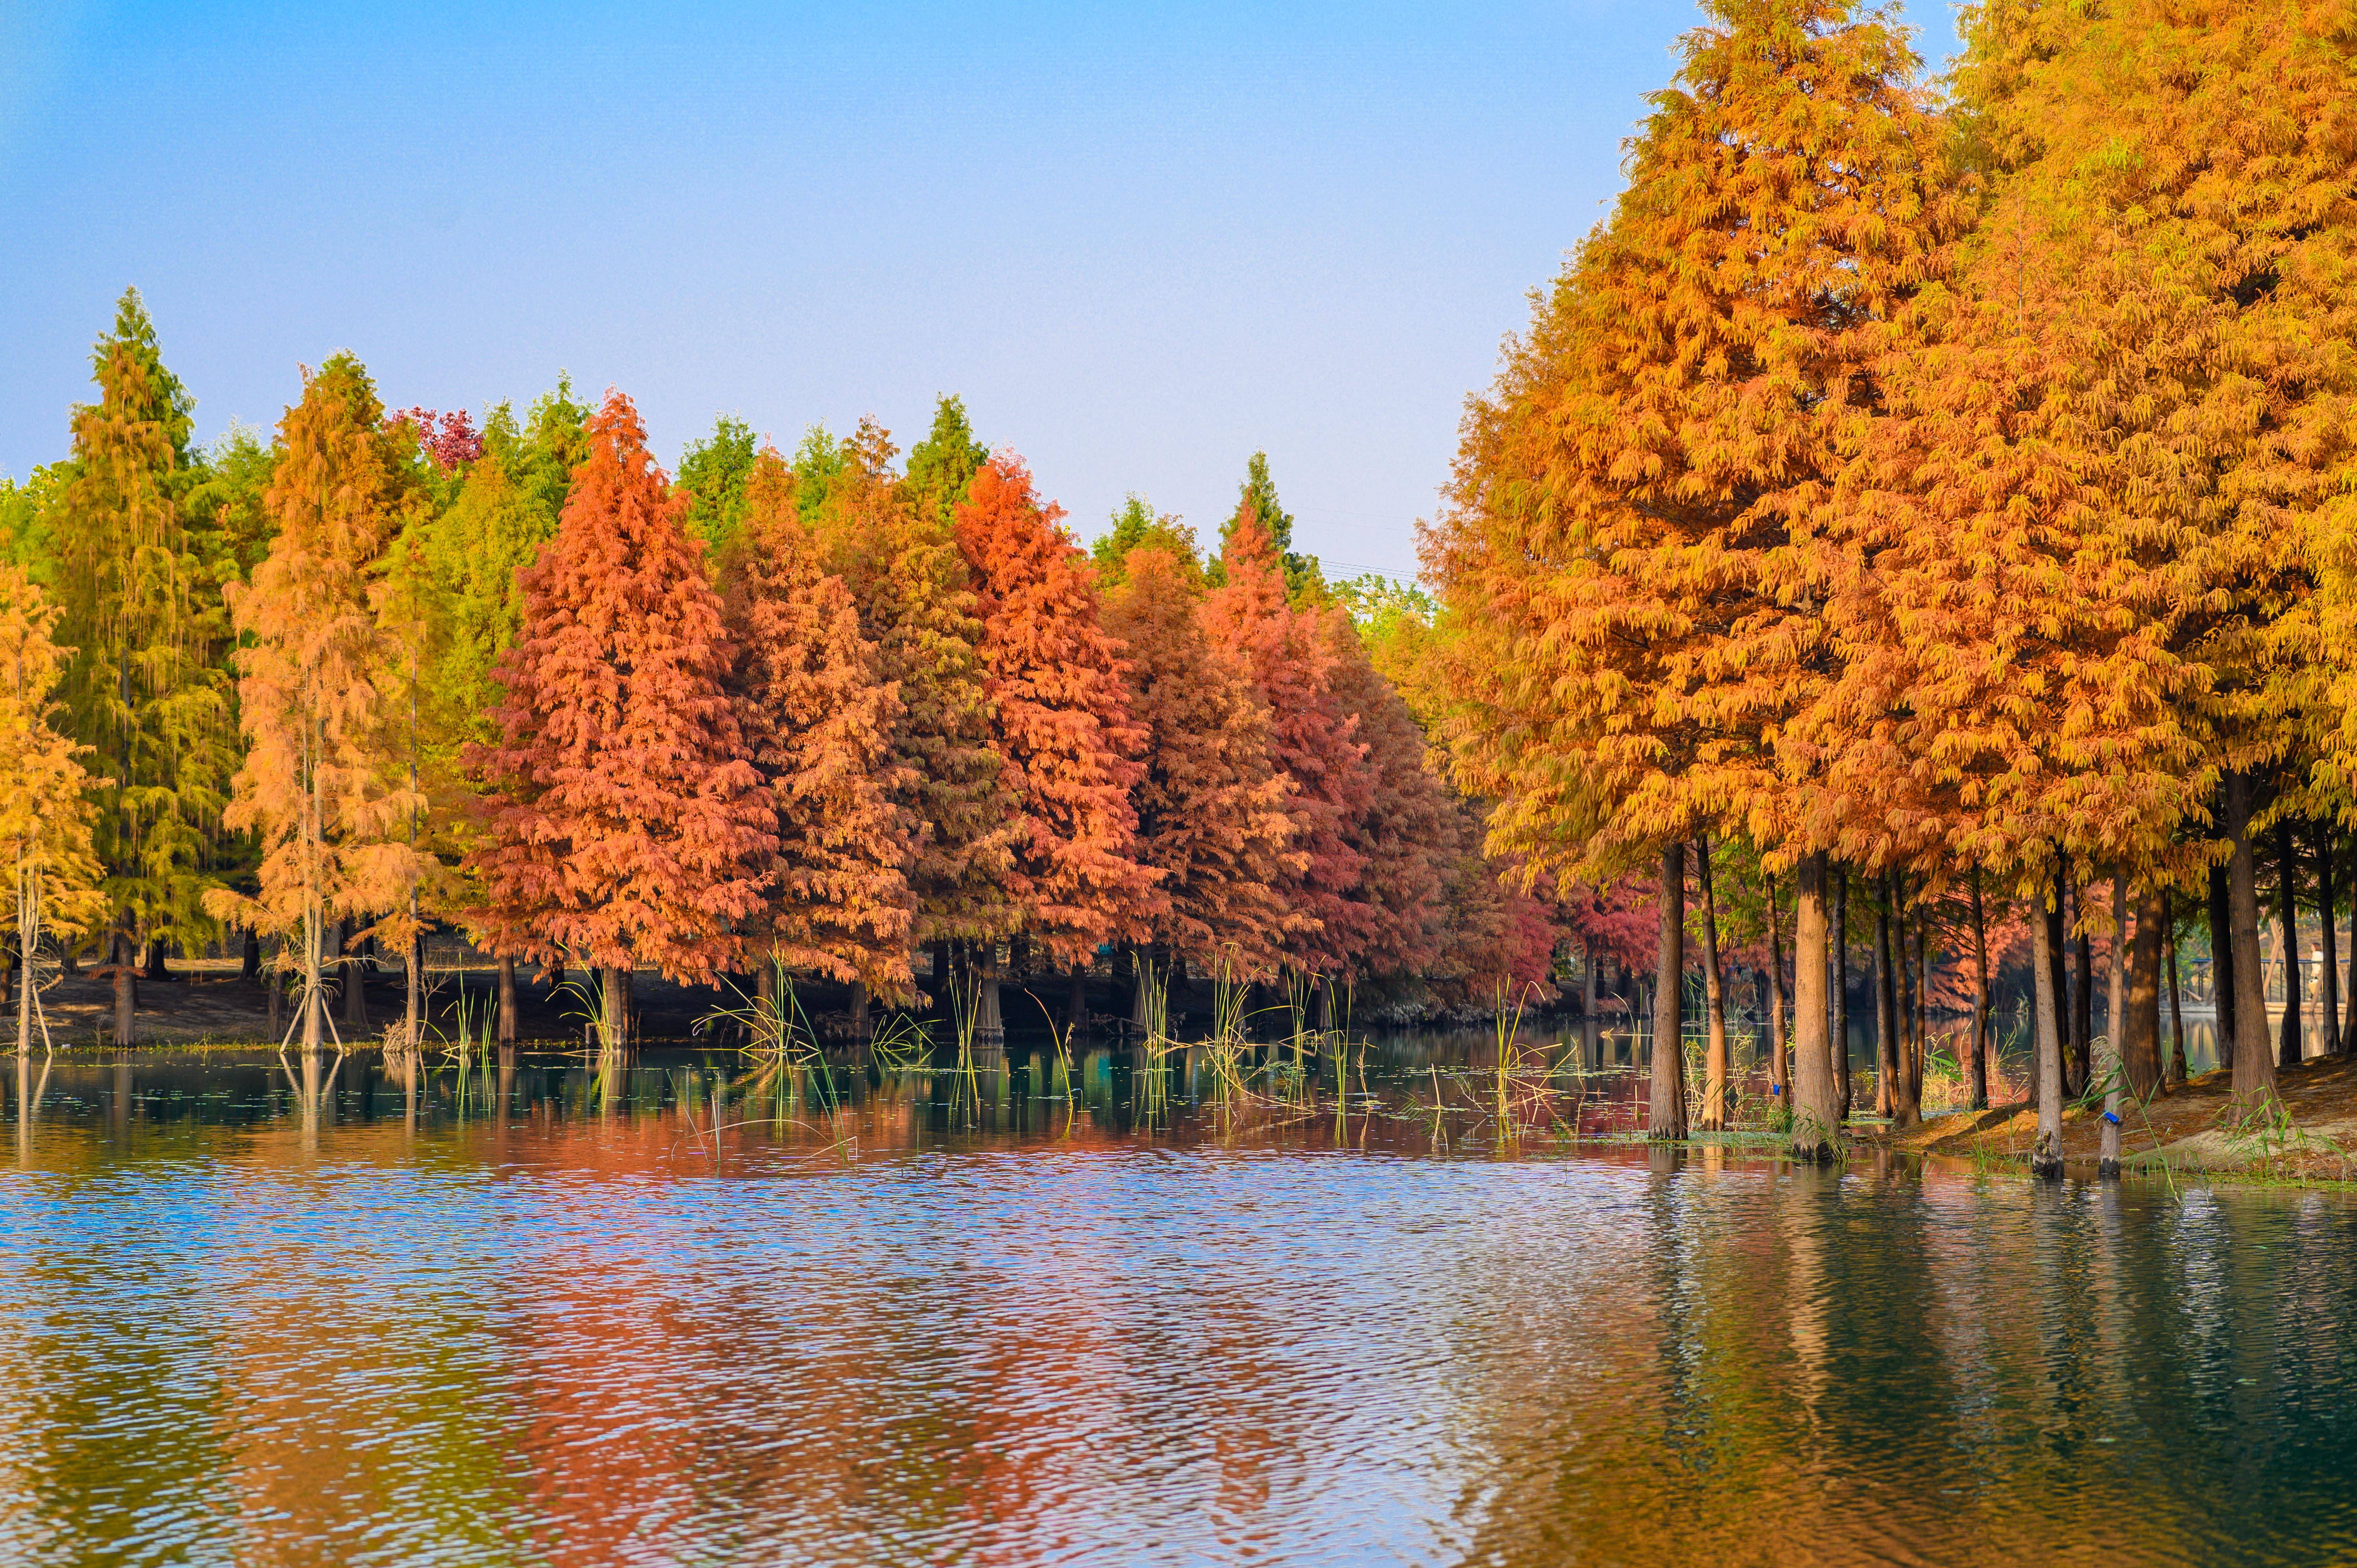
column 259, row 1316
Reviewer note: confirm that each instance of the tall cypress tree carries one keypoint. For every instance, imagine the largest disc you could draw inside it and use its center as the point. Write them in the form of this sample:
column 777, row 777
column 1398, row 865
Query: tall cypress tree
column 140, row 690
column 944, row 462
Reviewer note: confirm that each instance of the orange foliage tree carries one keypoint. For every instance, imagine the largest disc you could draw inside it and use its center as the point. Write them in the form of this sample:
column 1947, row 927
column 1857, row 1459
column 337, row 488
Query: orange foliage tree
column 1211, row 818
column 319, row 787
column 1061, row 719
column 818, row 725
column 624, row 816
column 45, row 820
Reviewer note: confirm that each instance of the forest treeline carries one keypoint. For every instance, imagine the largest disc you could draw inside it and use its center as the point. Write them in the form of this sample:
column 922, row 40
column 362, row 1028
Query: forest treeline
column 381, row 671
column 1946, row 488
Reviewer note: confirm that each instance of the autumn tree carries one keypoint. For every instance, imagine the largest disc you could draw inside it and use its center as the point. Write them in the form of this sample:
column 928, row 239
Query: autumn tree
column 1212, row 807
column 140, row 690
column 1060, row 719
column 624, row 818
column 943, row 465
column 45, row 819
column 714, row 472
column 818, row 727
column 916, row 602
column 1636, row 578
column 331, row 808
column 1288, row 655
column 1256, row 496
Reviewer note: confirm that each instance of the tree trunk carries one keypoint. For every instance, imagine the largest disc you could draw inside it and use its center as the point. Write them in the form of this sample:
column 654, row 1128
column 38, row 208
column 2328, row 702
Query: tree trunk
column 614, row 1012
column 858, row 1009
column 1591, row 1043
column 1921, row 1029
column 155, row 966
column 1715, row 1057
column 2057, row 945
column 989, row 1019
column 125, row 963
column 313, row 1002
column 1076, row 1007
column 940, row 981
column 1816, row 1103
column 355, row 986
column 507, row 999
column 1780, row 1078
column 2222, row 990
column 1665, row 1114
column 2290, row 1047
column 2329, row 1003
column 1976, row 1067
column 2046, row 1153
column 249, row 962
column 2108, row 1167
column 1886, row 1010
column 1838, row 1045
column 2176, row 1069
column 2254, row 1062
column 2083, row 996
column 2140, row 1038
column 413, row 1009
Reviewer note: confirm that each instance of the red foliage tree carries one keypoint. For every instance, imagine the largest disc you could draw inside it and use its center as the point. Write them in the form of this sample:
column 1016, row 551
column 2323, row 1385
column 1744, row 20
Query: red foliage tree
column 624, row 816
column 1060, row 717
column 818, row 722
column 1312, row 740
column 1211, row 815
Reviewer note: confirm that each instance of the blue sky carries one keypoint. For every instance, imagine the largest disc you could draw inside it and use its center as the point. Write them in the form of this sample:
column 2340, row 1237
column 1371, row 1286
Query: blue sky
column 1140, row 241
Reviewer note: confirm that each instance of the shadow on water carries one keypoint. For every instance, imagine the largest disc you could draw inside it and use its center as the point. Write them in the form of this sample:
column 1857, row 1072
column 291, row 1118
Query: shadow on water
column 542, row 1308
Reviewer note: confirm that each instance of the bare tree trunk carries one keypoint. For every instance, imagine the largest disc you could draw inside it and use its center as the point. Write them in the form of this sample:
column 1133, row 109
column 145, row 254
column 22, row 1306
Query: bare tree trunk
column 2107, row 1166
column 1665, row 1116
column 2140, row 1038
column 2046, row 1153
column 613, row 1021
column 1780, row 1078
column 1817, row 1105
column 1922, row 982
column 1715, row 1057
column 2223, row 992
column 125, row 963
column 2290, row 1045
column 507, row 999
column 1976, row 1068
column 2058, row 944
column 2254, row 1062
column 1076, row 1006
column 859, row 1030
column 155, row 966
column 249, row 963
column 1591, row 1044
column 2329, row 1001
column 2083, row 997
column 412, row 1021
column 2176, row 1067
column 1840, row 1020
column 1886, row 1010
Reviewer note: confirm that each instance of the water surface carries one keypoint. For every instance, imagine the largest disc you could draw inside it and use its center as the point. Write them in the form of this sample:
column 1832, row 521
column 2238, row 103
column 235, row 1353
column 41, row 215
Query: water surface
column 254, row 1316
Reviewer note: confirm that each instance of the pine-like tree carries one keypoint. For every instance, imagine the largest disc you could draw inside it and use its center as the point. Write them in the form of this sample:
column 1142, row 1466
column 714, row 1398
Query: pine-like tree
column 320, row 788
column 45, row 820
column 714, row 472
column 141, row 690
column 624, row 816
column 1059, row 718
column 819, row 725
column 944, row 464
column 1212, row 816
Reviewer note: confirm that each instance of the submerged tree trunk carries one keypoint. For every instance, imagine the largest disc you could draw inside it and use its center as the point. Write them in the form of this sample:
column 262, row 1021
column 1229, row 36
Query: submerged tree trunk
column 1976, row 1064
column 2141, row 1039
column 2329, row 1001
column 1076, row 1006
column 2290, row 1047
column 857, row 1007
column 1839, row 1044
column 1923, row 1026
column 507, row 999
column 2046, row 1153
column 2255, row 1061
column 1816, row 1106
column 2059, row 976
column 1591, row 1044
column 413, row 1012
column 2082, row 995
column 2108, row 1167
column 1665, row 1114
column 1715, row 1057
column 989, row 1022
column 1780, row 1077
column 614, row 1009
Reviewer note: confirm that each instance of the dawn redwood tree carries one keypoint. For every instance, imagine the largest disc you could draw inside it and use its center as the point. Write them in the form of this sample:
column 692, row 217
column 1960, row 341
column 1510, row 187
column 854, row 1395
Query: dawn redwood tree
column 330, row 807
column 1211, row 819
column 1060, row 719
column 941, row 467
column 1633, row 558
column 1286, row 653
column 45, row 818
column 818, row 727
column 624, row 818
column 140, row 688
column 1407, row 834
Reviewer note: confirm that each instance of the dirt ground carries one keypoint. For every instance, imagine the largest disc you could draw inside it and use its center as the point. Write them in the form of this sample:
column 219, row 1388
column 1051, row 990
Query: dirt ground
column 2199, row 1126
